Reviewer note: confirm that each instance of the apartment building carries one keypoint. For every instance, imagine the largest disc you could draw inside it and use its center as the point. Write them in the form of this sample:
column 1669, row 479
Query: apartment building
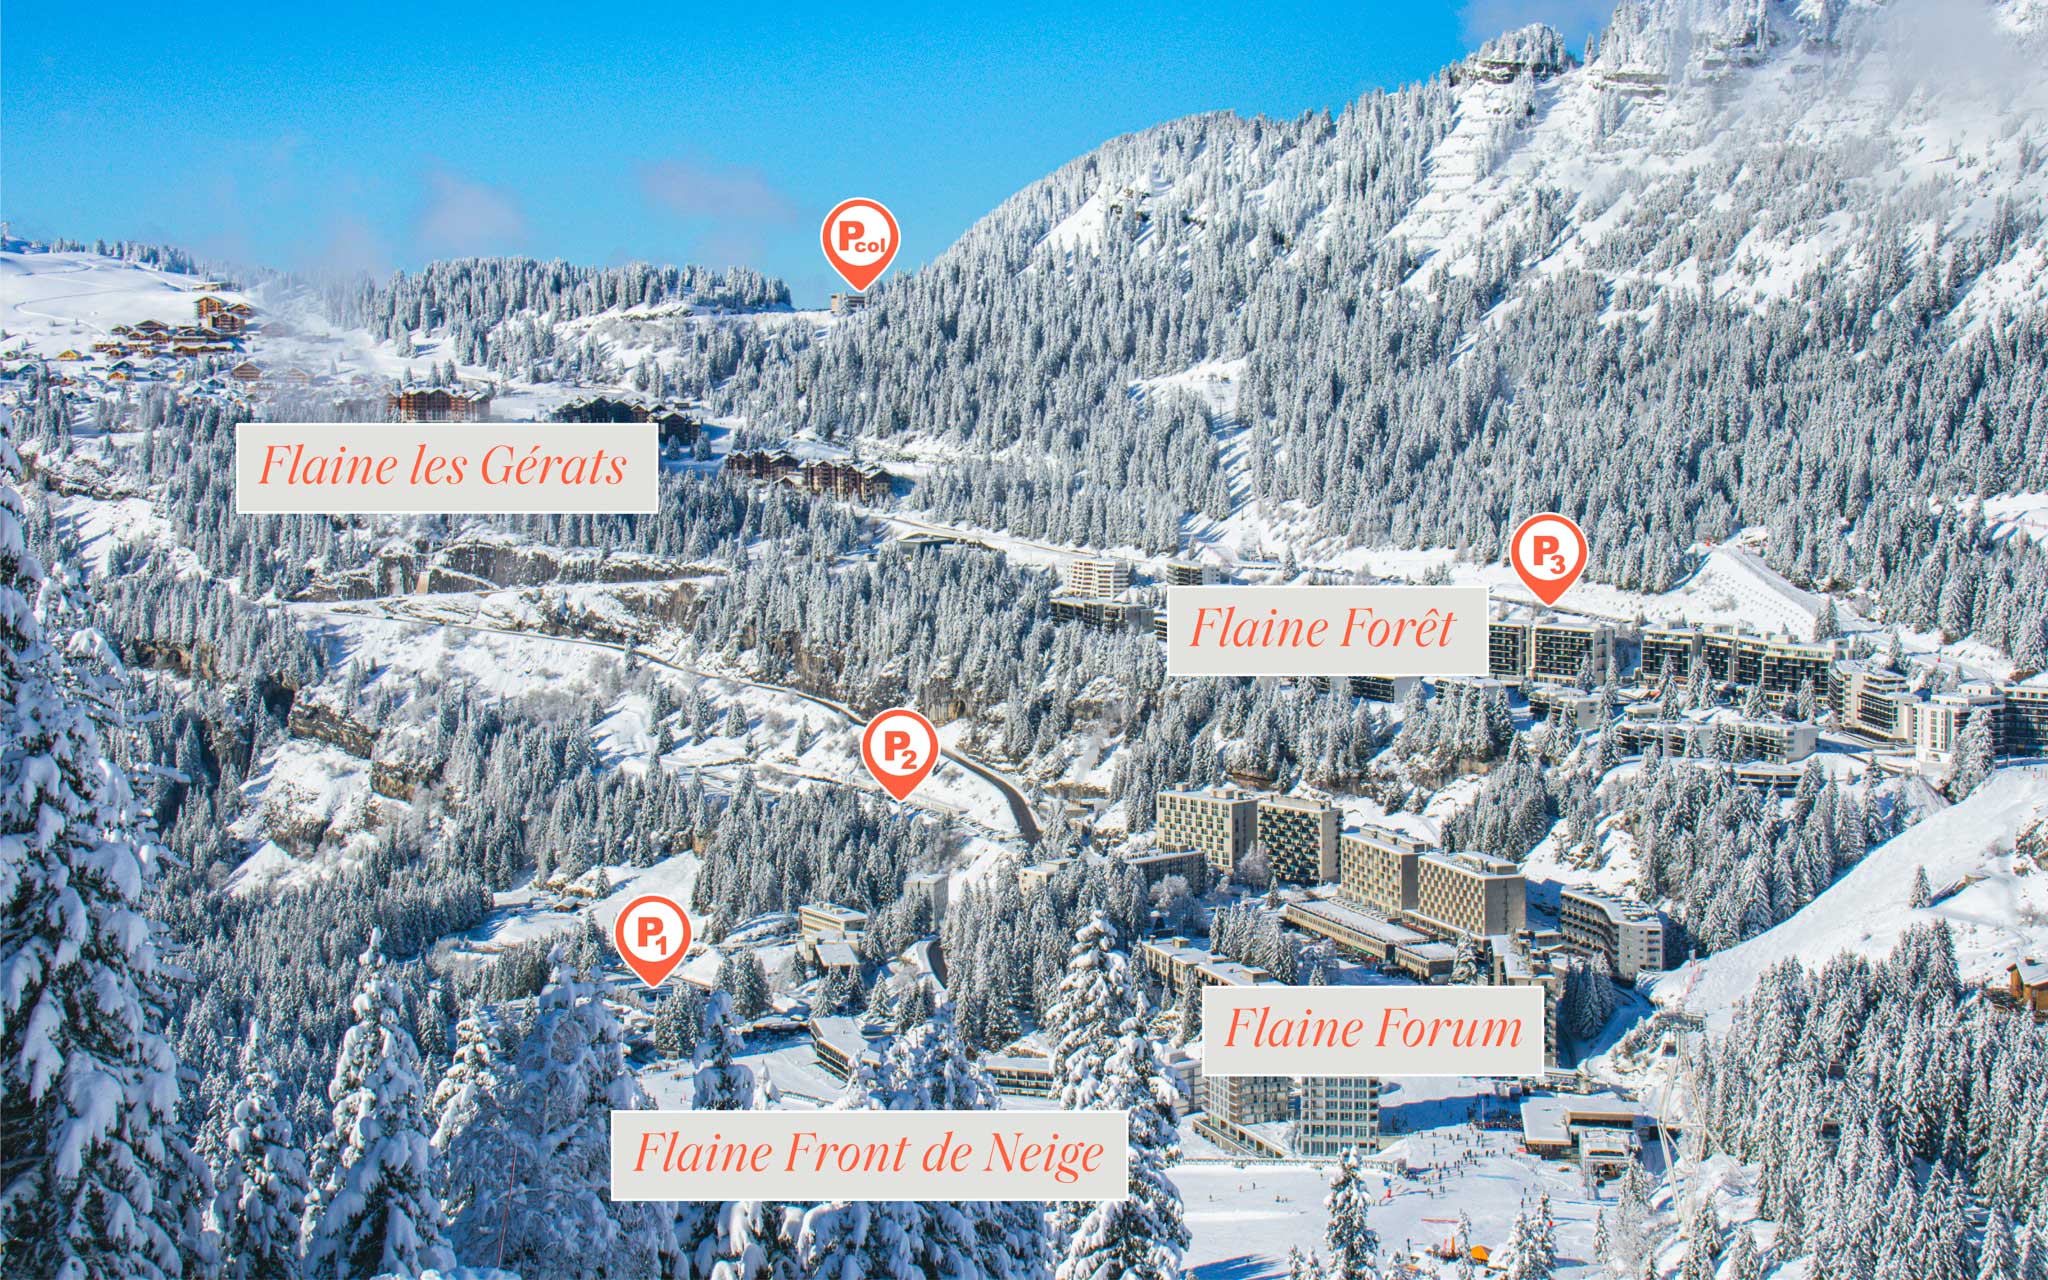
column 1866, row 697
column 1104, row 615
column 1232, row 1105
column 1035, row 877
column 1221, row 824
column 1358, row 932
column 1629, row 934
column 1180, row 964
column 1370, row 688
column 1377, row 869
column 1469, row 894
column 1159, row 864
column 1774, row 741
column 1507, row 649
column 1574, row 709
column 1186, row 573
column 1669, row 650
column 1099, row 578
column 1780, row 665
column 1784, row 666
column 1299, row 838
column 1246, row 1099
column 1562, row 650
column 2026, row 718
column 935, row 887
column 818, row 920
column 1552, row 649
column 1337, row 1113
column 438, row 404
column 1936, row 722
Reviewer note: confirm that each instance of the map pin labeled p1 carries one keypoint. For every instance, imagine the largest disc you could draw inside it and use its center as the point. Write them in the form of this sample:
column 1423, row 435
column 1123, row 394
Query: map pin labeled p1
column 900, row 747
column 652, row 935
column 859, row 237
column 1549, row 552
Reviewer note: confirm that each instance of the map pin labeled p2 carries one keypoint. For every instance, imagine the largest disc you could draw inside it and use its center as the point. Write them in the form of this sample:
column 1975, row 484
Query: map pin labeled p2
column 900, row 747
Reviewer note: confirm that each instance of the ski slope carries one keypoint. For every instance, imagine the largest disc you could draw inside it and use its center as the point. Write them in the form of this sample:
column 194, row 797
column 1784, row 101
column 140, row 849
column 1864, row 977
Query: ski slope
column 1996, row 905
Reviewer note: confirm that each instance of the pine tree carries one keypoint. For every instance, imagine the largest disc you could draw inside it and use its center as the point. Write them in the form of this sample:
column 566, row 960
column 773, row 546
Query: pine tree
column 720, row 1084
column 1971, row 761
column 558, row 1216
column 1826, row 624
column 375, row 1210
column 473, row 1135
column 100, row 1181
column 676, row 1020
column 1997, row 1259
column 261, row 1201
column 1353, row 1246
column 1142, row 1236
column 1531, row 1246
column 1093, row 999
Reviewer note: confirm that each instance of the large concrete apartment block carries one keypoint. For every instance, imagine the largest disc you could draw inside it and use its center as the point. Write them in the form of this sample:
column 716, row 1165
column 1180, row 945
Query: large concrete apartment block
column 1465, row 893
column 1628, row 933
column 1337, row 1114
column 1221, row 824
column 1377, row 869
column 1098, row 577
column 1299, row 838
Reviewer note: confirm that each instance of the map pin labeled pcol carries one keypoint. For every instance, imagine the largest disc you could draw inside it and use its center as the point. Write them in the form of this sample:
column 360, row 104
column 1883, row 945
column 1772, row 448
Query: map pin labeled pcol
column 859, row 237
column 900, row 747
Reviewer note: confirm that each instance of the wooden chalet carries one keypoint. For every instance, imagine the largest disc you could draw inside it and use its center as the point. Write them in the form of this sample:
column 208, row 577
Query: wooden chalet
column 209, row 305
column 246, row 372
column 439, row 404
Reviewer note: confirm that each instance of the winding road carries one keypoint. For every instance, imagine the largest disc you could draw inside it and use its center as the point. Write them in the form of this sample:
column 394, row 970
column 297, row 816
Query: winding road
column 1013, row 796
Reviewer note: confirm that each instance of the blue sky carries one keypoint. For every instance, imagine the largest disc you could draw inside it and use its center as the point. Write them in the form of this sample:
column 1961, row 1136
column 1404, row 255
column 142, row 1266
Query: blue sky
column 377, row 136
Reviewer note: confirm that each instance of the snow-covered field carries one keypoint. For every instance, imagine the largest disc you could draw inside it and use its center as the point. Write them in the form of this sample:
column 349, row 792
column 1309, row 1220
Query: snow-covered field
column 1996, row 906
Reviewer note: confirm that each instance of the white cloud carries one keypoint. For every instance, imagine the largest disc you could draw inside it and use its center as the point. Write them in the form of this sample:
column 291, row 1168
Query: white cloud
column 467, row 217
column 725, row 193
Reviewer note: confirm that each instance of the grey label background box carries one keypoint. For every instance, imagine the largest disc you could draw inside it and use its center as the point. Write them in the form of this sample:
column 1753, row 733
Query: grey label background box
column 1110, row 1180
column 1371, row 1005
column 637, row 443
column 1464, row 653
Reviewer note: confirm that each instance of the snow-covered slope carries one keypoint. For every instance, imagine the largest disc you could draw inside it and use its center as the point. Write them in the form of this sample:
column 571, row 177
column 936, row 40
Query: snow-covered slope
column 1996, row 905
column 1737, row 147
column 51, row 301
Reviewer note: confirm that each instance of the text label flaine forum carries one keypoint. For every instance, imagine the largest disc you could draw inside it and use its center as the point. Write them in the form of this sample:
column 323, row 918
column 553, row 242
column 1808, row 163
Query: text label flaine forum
column 1372, row 1031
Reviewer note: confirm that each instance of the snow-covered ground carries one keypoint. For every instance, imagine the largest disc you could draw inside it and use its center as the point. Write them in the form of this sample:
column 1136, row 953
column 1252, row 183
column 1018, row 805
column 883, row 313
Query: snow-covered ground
column 1996, row 906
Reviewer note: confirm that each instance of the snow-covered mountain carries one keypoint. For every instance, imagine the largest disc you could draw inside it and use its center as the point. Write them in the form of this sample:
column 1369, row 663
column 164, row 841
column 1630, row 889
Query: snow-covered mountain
column 1986, row 867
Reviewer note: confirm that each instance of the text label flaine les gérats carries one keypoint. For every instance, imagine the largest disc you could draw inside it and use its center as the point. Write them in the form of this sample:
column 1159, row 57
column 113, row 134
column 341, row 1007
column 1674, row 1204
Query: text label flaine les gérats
column 501, row 464
column 511, row 468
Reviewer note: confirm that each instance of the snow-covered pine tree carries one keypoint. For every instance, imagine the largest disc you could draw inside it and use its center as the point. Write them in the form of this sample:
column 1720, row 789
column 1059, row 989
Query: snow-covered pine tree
column 260, row 1203
column 1092, row 1001
column 374, row 1209
column 1972, row 760
column 1142, row 1236
column 557, row 1216
column 99, row 1180
column 676, row 1020
column 720, row 1084
column 1531, row 1247
column 472, row 1137
column 1353, row 1245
